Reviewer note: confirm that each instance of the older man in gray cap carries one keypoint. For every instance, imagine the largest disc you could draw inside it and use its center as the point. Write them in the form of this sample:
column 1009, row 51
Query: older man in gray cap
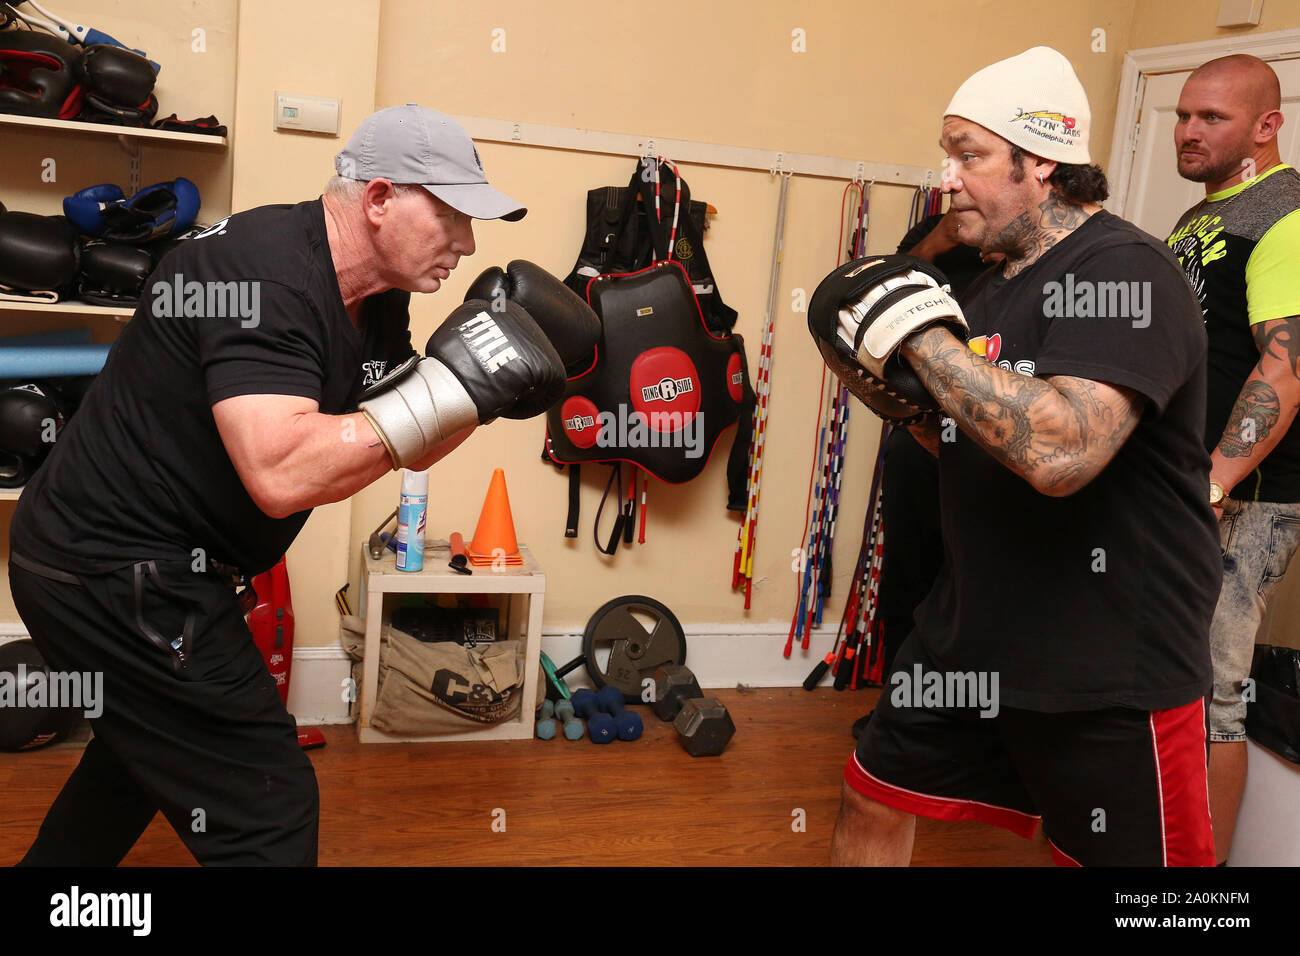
column 267, row 370
column 1057, row 670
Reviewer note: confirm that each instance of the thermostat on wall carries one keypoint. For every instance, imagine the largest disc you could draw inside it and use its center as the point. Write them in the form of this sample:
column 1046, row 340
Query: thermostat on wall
column 311, row 114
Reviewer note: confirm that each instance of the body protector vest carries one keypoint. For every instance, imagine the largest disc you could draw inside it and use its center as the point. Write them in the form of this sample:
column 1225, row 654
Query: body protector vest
column 668, row 377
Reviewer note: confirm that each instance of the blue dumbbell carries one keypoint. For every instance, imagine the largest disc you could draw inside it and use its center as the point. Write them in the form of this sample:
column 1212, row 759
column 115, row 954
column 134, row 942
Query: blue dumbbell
column 573, row 729
column 585, row 703
column 601, row 728
column 627, row 725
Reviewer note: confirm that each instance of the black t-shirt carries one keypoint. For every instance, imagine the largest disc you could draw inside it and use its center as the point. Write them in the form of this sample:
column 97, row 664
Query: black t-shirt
column 1102, row 598
column 140, row 471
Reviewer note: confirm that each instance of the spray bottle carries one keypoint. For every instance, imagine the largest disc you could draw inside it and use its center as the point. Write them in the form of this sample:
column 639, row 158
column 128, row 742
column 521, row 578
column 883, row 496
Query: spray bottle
column 411, row 508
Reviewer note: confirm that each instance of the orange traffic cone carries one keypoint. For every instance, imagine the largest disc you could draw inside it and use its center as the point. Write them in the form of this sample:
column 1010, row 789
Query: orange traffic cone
column 494, row 538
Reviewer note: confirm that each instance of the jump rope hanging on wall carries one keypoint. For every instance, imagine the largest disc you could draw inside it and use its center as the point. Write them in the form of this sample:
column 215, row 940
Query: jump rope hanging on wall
column 858, row 654
column 742, row 573
column 668, row 377
column 830, row 435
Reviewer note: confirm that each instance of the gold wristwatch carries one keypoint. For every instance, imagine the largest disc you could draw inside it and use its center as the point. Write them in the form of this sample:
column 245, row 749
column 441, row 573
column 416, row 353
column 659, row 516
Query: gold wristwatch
column 1217, row 494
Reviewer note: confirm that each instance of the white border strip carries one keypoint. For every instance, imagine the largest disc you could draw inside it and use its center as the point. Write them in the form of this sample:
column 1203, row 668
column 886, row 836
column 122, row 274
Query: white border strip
column 701, row 154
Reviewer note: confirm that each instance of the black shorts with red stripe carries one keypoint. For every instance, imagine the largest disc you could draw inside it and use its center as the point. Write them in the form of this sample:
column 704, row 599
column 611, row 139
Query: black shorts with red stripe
column 1112, row 787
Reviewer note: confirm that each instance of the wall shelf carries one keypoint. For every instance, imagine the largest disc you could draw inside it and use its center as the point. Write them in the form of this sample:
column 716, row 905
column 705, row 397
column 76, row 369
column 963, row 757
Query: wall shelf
column 68, row 307
column 123, row 133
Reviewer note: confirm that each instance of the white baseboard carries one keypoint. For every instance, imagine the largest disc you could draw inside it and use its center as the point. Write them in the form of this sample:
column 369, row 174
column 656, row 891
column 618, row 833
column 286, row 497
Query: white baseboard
column 720, row 655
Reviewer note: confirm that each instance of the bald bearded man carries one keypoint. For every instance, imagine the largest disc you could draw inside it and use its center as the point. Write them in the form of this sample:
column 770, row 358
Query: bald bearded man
column 1240, row 248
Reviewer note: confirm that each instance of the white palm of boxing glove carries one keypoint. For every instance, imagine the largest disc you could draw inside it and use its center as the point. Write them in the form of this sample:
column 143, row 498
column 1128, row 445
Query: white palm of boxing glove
column 876, row 323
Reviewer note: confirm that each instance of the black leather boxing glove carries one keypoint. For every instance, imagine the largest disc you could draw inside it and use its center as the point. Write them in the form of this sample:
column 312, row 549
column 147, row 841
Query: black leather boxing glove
column 113, row 273
column 119, row 84
column 37, row 253
column 38, row 75
column 481, row 365
column 863, row 311
column 570, row 324
column 29, row 425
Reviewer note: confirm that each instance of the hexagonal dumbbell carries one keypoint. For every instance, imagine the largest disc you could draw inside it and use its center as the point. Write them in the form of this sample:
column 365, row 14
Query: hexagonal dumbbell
column 704, row 726
column 674, row 684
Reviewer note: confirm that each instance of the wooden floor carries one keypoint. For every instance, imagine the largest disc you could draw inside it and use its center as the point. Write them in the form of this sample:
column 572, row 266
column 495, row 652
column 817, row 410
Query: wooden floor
column 640, row 803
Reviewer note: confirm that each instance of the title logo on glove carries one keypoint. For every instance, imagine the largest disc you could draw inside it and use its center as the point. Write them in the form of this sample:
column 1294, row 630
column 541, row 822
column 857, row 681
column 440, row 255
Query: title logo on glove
column 488, row 343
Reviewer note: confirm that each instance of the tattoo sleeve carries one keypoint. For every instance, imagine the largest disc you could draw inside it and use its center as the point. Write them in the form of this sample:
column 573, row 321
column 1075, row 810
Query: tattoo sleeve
column 1268, row 399
column 1057, row 433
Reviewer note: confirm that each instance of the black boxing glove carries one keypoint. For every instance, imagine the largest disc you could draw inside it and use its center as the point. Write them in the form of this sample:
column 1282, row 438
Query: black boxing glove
column 38, row 75
column 481, row 365
column 570, row 324
column 119, row 84
column 37, row 253
column 113, row 273
column 863, row 311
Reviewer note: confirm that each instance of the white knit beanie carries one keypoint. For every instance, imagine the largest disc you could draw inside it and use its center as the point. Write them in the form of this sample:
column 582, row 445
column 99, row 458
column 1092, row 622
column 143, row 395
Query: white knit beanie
column 1033, row 100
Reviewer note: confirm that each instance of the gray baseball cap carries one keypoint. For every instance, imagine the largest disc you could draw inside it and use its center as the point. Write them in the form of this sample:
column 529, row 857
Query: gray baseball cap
column 414, row 144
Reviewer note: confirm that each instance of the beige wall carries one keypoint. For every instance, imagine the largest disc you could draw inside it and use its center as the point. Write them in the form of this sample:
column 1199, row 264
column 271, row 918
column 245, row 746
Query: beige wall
column 1166, row 22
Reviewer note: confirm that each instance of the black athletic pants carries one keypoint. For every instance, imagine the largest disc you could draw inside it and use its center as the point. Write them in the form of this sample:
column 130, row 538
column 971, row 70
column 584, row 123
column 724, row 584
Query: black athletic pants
column 209, row 744
column 913, row 540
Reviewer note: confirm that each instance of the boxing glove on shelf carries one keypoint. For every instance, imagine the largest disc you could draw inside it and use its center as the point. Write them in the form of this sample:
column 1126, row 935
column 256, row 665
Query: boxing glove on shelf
column 38, row 254
column 38, row 75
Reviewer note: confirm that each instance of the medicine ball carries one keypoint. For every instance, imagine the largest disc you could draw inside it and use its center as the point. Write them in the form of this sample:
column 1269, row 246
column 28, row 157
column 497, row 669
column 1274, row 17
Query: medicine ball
column 24, row 678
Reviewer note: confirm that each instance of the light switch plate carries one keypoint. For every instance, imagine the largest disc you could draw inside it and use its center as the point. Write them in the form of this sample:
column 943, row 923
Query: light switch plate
column 1240, row 13
column 310, row 114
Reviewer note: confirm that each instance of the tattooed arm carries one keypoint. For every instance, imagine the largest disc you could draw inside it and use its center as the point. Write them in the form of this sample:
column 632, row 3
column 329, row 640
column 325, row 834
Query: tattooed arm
column 1266, row 406
column 1057, row 433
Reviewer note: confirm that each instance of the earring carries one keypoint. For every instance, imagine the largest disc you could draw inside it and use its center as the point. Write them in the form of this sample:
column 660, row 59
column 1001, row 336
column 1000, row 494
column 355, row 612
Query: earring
column 1040, row 180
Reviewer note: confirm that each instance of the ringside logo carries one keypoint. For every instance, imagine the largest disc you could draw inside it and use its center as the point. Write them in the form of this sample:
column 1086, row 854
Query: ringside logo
column 667, row 389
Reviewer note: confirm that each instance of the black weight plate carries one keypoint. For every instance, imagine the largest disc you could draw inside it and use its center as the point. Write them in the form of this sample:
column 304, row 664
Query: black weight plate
column 635, row 653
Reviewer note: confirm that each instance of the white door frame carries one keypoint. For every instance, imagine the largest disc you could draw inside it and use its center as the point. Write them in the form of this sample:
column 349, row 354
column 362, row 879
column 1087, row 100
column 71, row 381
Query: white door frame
column 1282, row 44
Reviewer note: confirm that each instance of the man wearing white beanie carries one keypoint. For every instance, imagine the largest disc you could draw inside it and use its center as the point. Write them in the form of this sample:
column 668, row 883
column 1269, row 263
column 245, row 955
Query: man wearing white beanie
column 1082, row 553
